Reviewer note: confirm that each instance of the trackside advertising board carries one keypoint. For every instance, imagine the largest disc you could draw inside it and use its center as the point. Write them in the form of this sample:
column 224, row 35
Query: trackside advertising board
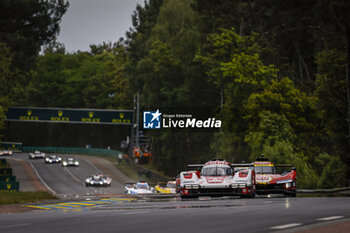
column 66, row 115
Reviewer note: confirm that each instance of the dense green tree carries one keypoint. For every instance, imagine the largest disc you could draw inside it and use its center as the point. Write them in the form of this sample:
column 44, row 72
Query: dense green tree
column 26, row 25
column 82, row 79
column 234, row 66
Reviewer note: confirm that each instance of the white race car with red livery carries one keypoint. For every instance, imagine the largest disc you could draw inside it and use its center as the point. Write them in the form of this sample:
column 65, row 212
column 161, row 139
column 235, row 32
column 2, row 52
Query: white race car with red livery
column 217, row 178
column 268, row 181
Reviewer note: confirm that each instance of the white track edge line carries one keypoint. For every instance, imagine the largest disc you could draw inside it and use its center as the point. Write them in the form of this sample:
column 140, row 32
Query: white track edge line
column 41, row 179
column 286, row 226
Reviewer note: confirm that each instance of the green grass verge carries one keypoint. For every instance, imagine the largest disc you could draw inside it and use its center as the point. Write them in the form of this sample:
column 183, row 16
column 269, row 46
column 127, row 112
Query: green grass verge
column 7, row 198
column 128, row 170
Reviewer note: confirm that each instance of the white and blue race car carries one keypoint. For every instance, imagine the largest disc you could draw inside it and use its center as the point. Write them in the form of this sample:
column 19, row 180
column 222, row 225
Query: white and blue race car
column 140, row 187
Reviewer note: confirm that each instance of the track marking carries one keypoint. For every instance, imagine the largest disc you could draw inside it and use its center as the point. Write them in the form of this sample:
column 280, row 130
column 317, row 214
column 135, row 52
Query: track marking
column 93, row 165
column 58, row 206
column 330, row 218
column 76, row 178
column 44, row 207
column 136, row 212
column 41, row 179
column 286, row 226
column 16, row 225
column 80, row 206
column 39, row 207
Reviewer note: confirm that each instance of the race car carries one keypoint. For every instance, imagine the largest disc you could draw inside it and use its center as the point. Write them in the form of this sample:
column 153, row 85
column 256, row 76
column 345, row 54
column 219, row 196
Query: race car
column 169, row 188
column 217, row 178
column 268, row 181
column 37, row 155
column 140, row 187
column 6, row 152
column 98, row 180
column 70, row 162
column 53, row 159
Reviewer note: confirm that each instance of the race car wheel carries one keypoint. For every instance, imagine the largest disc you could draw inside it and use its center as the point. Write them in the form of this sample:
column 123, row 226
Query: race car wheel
column 188, row 196
column 250, row 195
column 292, row 195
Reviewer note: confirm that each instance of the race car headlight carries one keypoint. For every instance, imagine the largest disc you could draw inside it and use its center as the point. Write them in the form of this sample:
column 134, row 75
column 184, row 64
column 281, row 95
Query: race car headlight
column 234, row 186
column 91, row 182
column 64, row 163
column 47, row 159
column 59, row 159
column 242, row 185
column 76, row 163
column 101, row 182
column 87, row 180
column 289, row 185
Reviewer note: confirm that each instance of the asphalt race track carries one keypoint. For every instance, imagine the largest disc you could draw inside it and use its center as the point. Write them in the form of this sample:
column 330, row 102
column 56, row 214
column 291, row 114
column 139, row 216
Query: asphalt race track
column 229, row 215
column 69, row 180
column 154, row 214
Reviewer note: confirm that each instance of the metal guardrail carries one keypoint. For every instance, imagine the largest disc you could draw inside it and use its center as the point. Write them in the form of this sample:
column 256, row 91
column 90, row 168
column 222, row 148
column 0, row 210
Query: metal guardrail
column 335, row 190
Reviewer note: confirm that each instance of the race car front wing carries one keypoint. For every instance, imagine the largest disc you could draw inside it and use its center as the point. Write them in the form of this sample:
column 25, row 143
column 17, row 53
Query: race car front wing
column 195, row 190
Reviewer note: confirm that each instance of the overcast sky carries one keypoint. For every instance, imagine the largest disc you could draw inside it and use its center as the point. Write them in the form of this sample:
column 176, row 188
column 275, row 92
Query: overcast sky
column 94, row 21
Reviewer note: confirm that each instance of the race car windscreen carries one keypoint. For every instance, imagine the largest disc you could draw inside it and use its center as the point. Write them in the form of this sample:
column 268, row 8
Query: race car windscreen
column 142, row 186
column 216, row 171
column 171, row 185
column 264, row 169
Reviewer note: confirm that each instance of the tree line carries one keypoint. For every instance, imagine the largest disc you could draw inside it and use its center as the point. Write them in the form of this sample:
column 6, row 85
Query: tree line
column 276, row 73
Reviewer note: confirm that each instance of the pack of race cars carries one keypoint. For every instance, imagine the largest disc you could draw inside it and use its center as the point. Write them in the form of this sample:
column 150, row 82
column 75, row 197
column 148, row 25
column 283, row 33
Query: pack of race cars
column 218, row 178
column 214, row 178
column 97, row 180
column 221, row 178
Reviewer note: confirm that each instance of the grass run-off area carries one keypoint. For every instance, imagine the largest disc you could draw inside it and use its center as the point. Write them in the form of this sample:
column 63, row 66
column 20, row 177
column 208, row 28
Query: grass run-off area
column 7, row 198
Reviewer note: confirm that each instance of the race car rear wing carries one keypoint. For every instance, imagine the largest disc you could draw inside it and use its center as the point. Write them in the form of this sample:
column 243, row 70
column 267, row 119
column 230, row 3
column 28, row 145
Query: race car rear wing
column 285, row 165
column 195, row 166
column 242, row 164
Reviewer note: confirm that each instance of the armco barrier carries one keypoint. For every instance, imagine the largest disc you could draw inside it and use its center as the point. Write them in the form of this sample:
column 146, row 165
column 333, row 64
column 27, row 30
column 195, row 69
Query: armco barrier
column 336, row 190
column 2, row 162
column 7, row 178
column 9, row 186
column 5, row 171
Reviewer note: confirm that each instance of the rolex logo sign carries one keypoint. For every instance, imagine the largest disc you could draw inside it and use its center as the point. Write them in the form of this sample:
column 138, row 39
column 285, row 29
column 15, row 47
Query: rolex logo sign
column 60, row 113
column 91, row 118
column 8, row 186
column 29, row 116
column 121, row 115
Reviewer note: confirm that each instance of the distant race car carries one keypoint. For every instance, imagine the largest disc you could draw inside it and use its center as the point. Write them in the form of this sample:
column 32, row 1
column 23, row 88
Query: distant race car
column 70, row 162
column 217, row 178
column 6, row 152
column 140, row 187
column 37, row 155
column 170, row 187
column 53, row 159
column 98, row 180
column 268, row 181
